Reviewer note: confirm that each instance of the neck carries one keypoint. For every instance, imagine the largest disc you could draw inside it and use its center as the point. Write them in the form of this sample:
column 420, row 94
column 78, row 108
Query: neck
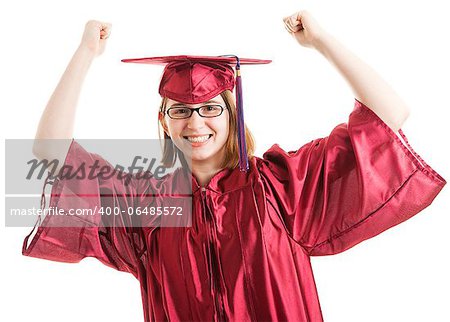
column 204, row 171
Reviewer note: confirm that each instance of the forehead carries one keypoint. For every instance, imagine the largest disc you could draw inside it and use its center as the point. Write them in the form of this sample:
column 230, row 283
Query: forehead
column 218, row 100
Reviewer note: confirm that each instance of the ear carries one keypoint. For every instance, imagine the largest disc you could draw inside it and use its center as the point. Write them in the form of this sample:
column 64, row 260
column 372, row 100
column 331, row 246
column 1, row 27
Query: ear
column 162, row 121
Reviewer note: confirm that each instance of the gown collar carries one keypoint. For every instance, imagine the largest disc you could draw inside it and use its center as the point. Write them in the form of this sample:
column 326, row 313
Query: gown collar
column 227, row 179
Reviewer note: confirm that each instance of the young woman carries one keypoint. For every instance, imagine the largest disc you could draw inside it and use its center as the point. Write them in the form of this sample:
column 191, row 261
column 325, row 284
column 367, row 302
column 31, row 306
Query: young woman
column 245, row 254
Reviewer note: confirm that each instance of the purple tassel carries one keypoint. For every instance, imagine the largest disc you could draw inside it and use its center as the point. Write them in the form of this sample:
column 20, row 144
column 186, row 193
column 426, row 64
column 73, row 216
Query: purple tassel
column 243, row 158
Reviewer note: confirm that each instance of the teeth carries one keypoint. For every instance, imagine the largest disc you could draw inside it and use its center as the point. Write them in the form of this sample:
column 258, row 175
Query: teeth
column 197, row 139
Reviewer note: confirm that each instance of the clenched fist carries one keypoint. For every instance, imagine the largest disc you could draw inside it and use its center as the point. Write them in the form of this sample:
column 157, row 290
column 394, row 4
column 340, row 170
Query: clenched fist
column 304, row 28
column 95, row 36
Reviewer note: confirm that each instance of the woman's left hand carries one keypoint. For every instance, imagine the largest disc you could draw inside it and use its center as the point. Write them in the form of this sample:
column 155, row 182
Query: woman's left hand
column 304, row 28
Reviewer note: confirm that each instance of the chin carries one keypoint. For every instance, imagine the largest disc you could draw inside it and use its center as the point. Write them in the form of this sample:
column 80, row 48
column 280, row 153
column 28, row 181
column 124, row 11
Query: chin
column 201, row 158
column 200, row 155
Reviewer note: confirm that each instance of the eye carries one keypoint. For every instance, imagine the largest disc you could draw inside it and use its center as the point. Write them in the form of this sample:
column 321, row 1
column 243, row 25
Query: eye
column 179, row 110
column 211, row 109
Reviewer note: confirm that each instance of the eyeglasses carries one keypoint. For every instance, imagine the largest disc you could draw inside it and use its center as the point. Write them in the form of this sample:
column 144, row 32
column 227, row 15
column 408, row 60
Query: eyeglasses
column 184, row 112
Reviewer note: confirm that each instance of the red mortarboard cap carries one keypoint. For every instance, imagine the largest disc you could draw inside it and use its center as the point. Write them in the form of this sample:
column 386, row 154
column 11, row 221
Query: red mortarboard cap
column 197, row 79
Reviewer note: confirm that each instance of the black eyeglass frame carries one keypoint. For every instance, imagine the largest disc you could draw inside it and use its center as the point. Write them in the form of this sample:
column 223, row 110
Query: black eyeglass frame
column 196, row 110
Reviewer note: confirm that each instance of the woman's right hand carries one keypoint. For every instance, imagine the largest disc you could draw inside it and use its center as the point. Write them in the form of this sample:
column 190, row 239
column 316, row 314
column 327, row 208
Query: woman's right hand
column 57, row 120
column 95, row 35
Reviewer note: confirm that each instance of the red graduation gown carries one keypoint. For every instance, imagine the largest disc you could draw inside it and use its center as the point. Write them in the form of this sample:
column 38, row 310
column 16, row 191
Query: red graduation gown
column 247, row 254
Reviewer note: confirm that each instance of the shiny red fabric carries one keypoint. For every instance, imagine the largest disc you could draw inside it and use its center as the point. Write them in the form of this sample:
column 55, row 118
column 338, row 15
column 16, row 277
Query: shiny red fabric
column 246, row 256
column 195, row 79
column 194, row 83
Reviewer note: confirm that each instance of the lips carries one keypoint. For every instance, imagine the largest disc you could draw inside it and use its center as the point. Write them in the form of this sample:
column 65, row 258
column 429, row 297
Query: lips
column 198, row 138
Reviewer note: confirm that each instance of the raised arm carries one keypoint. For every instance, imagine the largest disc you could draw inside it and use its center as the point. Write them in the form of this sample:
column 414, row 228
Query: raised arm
column 368, row 87
column 57, row 120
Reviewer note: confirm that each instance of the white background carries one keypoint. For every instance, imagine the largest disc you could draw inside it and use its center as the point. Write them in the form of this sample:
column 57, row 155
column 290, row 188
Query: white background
column 400, row 275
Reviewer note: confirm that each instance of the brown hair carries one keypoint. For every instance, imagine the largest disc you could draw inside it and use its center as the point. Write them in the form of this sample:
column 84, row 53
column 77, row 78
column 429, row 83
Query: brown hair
column 231, row 160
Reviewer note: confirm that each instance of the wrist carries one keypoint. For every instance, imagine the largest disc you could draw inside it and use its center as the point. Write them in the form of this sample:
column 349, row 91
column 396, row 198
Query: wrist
column 85, row 52
column 323, row 42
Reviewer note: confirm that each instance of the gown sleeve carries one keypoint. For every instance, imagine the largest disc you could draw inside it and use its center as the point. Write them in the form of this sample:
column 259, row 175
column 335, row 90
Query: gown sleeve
column 337, row 191
column 111, row 239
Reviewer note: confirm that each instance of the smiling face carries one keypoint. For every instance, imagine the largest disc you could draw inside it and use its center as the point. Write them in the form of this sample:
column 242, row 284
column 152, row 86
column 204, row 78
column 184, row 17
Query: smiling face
column 199, row 138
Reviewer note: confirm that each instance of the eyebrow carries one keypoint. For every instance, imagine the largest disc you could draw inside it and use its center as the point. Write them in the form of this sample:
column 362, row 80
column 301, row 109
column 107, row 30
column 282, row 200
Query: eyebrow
column 208, row 102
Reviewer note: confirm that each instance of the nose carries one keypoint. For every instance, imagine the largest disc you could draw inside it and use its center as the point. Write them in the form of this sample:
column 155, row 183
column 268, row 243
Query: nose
column 195, row 121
